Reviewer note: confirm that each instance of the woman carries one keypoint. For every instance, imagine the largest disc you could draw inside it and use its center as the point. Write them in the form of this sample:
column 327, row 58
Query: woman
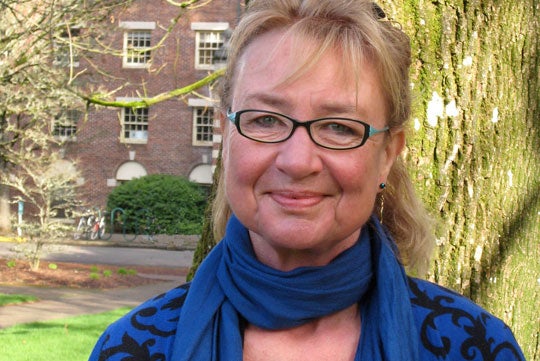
column 313, row 109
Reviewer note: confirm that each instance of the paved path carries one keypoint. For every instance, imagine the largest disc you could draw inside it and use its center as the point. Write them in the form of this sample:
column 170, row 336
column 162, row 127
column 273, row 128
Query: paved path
column 63, row 302
column 123, row 256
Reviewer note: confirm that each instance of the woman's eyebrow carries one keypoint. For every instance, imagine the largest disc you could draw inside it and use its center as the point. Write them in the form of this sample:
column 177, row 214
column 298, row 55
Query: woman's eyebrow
column 284, row 104
column 268, row 99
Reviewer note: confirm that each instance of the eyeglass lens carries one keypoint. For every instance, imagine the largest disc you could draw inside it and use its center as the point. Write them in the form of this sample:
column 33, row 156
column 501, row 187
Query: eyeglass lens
column 269, row 127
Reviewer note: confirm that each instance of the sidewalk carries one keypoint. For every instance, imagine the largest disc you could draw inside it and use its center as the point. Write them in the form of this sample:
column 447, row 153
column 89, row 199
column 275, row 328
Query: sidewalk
column 57, row 303
column 63, row 302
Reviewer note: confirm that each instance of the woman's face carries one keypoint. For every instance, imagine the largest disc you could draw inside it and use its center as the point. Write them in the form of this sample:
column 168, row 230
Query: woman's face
column 304, row 204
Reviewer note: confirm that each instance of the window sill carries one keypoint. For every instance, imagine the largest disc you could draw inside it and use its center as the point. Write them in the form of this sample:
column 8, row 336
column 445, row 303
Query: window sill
column 134, row 141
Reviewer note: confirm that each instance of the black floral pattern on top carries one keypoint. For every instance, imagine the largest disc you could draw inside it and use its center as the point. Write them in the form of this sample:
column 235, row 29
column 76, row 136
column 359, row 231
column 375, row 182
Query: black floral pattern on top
column 448, row 328
column 155, row 321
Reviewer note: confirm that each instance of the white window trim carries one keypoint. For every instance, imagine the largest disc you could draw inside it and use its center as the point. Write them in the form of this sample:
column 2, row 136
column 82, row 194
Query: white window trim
column 138, row 25
column 200, row 103
column 131, row 26
column 123, row 139
column 201, row 27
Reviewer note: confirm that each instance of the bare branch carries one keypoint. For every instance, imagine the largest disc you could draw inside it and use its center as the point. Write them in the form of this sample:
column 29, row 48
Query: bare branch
column 99, row 99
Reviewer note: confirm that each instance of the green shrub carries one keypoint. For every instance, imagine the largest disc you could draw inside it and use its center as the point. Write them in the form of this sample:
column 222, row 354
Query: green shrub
column 158, row 204
column 11, row 263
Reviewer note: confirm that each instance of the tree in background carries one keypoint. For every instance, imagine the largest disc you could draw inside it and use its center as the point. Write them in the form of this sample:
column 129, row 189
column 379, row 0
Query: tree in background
column 37, row 57
column 474, row 149
column 39, row 43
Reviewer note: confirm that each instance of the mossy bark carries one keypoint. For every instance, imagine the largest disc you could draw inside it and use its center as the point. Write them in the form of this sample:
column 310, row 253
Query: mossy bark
column 474, row 149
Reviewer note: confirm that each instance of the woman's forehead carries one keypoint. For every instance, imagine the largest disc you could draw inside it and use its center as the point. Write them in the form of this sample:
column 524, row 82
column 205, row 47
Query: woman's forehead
column 277, row 60
column 287, row 56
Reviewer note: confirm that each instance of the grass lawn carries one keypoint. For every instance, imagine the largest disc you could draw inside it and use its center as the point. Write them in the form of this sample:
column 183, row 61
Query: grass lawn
column 12, row 299
column 68, row 339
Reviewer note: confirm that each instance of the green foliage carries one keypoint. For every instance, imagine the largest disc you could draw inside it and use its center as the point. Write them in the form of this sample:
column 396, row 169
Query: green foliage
column 14, row 299
column 11, row 263
column 107, row 273
column 66, row 339
column 159, row 204
column 53, row 266
column 126, row 272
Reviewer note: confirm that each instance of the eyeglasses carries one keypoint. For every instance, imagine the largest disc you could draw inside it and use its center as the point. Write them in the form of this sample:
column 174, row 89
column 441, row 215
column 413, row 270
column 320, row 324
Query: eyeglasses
column 332, row 133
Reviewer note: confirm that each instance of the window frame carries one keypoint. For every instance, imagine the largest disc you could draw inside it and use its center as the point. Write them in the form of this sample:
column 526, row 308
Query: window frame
column 144, row 124
column 201, row 28
column 65, row 55
column 70, row 122
column 142, row 31
column 208, row 122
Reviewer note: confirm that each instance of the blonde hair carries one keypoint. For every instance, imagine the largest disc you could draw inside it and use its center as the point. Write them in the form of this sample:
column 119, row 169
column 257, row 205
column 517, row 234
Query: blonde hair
column 355, row 28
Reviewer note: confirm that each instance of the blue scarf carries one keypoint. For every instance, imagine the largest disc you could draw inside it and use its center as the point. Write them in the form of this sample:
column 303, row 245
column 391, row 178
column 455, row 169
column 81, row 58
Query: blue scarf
column 231, row 285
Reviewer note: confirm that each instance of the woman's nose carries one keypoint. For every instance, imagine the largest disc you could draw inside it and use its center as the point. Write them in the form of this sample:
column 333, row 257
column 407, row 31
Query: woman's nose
column 299, row 156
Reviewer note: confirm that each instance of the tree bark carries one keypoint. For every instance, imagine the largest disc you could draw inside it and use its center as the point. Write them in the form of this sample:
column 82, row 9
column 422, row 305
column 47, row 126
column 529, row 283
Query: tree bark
column 5, row 212
column 474, row 152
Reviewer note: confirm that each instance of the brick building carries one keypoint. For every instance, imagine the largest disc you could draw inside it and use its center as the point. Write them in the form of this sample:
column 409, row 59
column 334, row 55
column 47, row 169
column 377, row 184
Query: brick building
column 174, row 137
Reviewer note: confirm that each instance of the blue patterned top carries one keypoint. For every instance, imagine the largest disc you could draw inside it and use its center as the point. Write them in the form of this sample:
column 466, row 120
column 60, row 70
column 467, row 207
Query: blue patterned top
column 450, row 327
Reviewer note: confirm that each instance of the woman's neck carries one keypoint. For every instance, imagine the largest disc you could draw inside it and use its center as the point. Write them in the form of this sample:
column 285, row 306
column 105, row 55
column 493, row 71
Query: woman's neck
column 333, row 337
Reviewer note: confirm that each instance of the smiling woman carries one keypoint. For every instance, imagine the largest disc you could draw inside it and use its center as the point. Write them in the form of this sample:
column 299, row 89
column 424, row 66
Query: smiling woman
column 314, row 102
column 312, row 193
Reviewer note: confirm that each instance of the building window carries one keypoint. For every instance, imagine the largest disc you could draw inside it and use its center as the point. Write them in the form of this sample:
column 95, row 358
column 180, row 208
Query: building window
column 65, row 54
column 207, row 43
column 203, row 124
column 209, row 39
column 65, row 124
column 137, row 53
column 135, row 125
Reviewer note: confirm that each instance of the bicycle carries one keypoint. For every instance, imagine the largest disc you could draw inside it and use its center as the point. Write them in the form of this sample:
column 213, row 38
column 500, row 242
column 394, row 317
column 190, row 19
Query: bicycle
column 90, row 227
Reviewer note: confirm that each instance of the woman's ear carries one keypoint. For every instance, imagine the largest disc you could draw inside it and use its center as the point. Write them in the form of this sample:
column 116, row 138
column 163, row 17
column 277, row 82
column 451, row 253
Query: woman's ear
column 393, row 148
column 224, row 125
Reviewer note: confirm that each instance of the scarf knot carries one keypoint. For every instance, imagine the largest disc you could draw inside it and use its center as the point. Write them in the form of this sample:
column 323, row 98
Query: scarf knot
column 272, row 299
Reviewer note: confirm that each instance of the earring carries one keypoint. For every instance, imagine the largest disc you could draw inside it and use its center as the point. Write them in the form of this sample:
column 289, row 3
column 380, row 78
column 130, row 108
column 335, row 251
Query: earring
column 381, row 200
column 381, row 208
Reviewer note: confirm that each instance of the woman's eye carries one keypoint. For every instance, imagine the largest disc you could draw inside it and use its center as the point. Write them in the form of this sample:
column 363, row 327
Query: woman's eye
column 266, row 121
column 341, row 129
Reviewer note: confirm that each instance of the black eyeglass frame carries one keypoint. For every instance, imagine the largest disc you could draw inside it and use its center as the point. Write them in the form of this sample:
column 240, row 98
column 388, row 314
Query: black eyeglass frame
column 234, row 117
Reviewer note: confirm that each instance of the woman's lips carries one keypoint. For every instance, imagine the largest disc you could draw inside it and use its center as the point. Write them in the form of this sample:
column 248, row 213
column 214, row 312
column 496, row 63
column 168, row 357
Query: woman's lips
column 295, row 199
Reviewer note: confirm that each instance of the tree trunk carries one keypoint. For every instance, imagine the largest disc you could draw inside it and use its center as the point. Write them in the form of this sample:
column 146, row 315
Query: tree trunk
column 5, row 212
column 474, row 152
